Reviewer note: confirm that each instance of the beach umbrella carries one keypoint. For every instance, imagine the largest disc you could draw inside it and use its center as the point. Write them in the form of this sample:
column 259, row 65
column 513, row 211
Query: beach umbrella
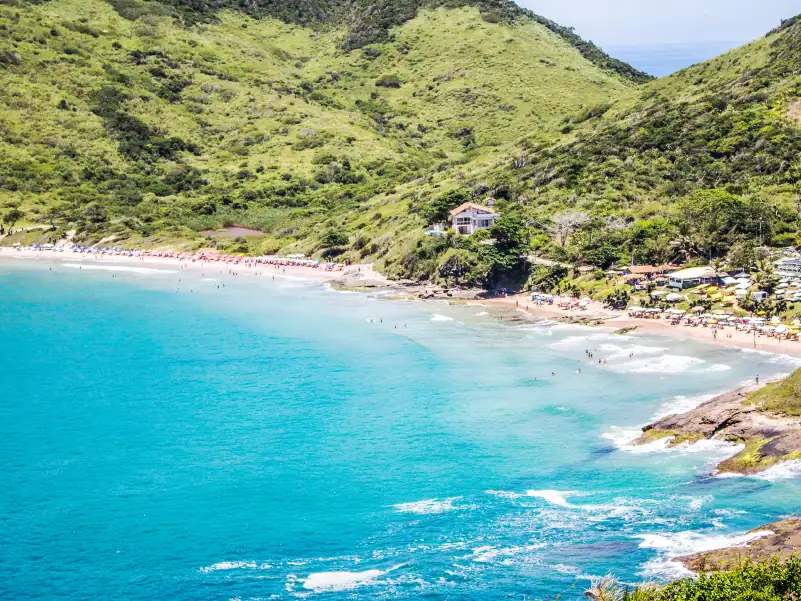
column 658, row 293
column 782, row 329
column 775, row 319
column 673, row 297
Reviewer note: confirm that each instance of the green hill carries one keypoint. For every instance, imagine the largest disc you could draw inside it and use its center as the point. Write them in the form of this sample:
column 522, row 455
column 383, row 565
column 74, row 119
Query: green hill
column 150, row 121
column 704, row 164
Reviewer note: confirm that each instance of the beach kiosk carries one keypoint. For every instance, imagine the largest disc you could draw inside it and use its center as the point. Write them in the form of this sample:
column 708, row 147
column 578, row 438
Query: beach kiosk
column 692, row 277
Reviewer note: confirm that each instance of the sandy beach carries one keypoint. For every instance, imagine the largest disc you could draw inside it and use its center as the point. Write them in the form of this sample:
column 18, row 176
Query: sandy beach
column 353, row 273
column 619, row 320
column 356, row 275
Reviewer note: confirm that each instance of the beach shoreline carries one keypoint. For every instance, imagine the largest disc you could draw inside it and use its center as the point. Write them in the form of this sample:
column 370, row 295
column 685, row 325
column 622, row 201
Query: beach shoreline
column 353, row 274
column 364, row 277
column 596, row 314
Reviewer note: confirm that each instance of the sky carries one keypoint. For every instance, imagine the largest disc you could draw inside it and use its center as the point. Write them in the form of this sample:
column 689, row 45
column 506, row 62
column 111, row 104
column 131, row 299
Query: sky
column 666, row 36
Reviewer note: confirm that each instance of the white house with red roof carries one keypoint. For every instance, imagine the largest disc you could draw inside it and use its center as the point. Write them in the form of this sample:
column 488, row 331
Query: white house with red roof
column 470, row 217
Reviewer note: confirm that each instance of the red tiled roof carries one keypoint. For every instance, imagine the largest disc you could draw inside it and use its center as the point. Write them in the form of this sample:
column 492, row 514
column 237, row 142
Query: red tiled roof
column 649, row 269
column 471, row 205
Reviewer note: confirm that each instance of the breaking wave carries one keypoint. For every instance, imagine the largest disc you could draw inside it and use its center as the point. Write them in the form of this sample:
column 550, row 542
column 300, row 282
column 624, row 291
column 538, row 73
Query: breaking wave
column 673, row 545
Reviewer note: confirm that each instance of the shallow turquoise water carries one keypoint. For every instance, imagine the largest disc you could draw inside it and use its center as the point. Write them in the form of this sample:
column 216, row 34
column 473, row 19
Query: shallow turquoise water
column 268, row 440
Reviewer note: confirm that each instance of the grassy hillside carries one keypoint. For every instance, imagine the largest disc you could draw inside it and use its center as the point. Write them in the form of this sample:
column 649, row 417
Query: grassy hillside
column 699, row 166
column 367, row 22
column 782, row 397
column 130, row 119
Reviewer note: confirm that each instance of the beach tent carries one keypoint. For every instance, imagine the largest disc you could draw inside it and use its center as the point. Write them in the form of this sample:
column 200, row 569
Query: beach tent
column 673, row 297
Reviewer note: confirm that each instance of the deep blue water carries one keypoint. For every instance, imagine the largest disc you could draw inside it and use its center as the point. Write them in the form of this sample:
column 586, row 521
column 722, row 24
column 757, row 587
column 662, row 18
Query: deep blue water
column 663, row 59
column 267, row 440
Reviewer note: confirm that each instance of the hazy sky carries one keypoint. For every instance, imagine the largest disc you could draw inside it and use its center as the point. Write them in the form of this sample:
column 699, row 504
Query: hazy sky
column 611, row 23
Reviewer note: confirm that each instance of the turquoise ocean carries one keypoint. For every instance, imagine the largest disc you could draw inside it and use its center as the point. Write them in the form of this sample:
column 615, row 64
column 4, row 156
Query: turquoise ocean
column 280, row 440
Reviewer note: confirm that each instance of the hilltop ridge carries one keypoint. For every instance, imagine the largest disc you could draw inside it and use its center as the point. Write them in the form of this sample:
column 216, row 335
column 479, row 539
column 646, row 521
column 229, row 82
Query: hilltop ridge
column 371, row 21
column 127, row 119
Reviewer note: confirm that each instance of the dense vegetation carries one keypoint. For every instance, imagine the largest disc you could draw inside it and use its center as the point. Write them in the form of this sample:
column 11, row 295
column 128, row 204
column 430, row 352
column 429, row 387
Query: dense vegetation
column 130, row 120
column 147, row 122
column 371, row 21
column 765, row 581
column 700, row 167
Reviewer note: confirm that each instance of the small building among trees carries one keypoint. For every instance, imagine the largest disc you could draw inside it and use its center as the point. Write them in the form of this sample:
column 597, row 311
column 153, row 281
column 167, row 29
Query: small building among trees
column 470, row 217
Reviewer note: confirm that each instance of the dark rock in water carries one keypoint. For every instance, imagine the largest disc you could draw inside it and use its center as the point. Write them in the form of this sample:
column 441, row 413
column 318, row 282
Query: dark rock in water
column 769, row 438
column 779, row 540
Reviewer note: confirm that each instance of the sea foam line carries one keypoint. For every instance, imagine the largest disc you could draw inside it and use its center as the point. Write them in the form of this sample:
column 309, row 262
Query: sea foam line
column 670, row 546
column 118, row 268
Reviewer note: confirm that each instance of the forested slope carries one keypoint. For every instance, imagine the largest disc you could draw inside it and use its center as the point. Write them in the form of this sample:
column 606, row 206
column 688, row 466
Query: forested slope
column 148, row 121
column 699, row 166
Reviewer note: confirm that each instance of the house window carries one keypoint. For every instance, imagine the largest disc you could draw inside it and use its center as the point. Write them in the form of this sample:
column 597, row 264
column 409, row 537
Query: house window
column 484, row 223
column 463, row 221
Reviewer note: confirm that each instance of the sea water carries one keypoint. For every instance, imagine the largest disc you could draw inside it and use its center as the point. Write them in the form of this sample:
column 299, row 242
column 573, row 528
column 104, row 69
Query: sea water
column 189, row 436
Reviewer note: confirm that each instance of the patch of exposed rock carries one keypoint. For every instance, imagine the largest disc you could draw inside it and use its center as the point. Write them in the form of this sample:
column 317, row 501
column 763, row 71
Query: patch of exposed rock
column 781, row 540
column 768, row 438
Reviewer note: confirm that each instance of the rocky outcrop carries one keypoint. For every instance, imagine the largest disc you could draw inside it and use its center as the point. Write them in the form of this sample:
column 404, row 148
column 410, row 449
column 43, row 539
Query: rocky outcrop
column 768, row 438
column 780, row 540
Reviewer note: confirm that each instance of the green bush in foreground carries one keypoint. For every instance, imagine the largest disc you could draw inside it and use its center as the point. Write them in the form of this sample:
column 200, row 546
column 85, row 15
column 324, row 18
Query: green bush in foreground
column 769, row 580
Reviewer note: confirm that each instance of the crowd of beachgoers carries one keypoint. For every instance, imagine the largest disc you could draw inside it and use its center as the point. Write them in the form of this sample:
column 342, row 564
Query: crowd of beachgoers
column 202, row 256
column 721, row 321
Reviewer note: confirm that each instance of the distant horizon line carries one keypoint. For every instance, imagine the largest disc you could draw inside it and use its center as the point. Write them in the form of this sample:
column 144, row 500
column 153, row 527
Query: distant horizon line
column 685, row 44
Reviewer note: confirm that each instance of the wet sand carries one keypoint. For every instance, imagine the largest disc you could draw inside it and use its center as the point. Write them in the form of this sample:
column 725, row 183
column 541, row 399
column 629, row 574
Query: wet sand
column 619, row 320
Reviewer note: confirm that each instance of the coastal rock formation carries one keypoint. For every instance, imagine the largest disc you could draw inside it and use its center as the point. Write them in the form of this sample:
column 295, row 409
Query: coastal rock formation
column 780, row 540
column 764, row 419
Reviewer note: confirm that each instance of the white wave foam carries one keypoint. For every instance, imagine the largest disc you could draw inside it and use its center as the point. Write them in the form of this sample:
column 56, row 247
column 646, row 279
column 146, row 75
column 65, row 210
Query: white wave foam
column 785, row 470
column 716, row 367
column 118, row 268
column 598, row 512
column 672, row 545
column 438, row 317
column 340, row 581
column 554, row 497
column 232, row 565
column 502, row 555
column 666, row 364
column 774, row 357
column 430, row 506
column 481, row 314
column 623, row 439
column 503, row 494
column 614, row 351
column 681, row 404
